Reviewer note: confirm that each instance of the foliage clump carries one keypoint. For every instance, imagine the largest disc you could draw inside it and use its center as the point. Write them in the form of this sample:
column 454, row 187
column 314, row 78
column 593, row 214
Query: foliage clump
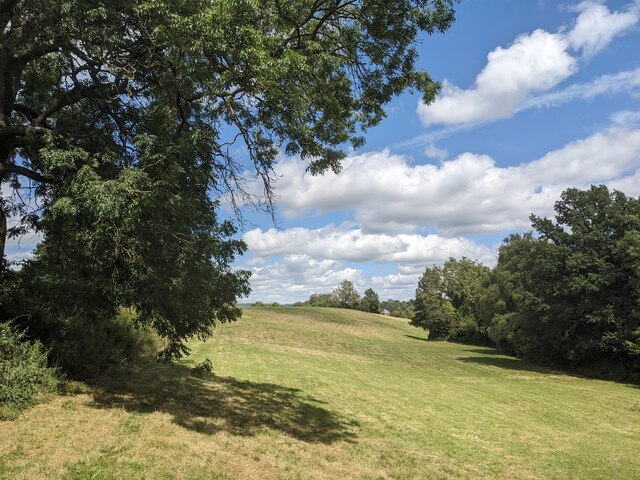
column 24, row 374
column 203, row 369
column 445, row 300
column 370, row 301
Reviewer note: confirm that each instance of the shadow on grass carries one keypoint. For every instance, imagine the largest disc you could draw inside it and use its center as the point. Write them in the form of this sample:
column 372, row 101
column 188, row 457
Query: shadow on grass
column 495, row 358
column 223, row 404
column 483, row 350
column 424, row 339
column 510, row 364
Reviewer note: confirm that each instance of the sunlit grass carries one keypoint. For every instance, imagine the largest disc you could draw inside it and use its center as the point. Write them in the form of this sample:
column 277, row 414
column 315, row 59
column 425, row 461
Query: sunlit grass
column 326, row 393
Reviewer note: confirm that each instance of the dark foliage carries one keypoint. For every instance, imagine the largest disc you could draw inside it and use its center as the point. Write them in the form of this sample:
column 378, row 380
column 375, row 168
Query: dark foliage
column 568, row 296
column 24, row 374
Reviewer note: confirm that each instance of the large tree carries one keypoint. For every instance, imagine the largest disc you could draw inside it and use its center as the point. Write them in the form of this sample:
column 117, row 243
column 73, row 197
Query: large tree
column 121, row 119
column 570, row 295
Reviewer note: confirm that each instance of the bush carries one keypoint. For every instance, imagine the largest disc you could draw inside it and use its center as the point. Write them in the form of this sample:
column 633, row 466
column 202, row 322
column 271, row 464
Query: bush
column 89, row 349
column 24, row 375
column 468, row 331
column 203, row 369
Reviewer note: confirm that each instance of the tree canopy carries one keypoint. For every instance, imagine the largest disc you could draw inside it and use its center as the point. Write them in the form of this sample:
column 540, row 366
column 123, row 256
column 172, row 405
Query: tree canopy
column 370, row 301
column 95, row 84
column 119, row 121
column 346, row 295
column 445, row 299
column 567, row 294
column 576, row 288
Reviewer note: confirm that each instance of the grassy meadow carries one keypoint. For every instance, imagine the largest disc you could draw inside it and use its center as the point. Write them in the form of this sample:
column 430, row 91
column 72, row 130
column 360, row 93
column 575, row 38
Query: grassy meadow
column 304, row 393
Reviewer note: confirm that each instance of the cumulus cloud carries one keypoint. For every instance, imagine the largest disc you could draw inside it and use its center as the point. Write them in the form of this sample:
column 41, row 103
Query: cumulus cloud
column 464, row 195
column 534, row 63
column 353, row 245
column 398, row 285
column 292, row 264
column 297, row 276
column 596, row 26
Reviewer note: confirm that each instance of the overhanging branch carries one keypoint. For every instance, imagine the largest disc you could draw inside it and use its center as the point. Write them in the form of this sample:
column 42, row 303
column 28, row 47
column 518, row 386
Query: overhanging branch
column 25, row 172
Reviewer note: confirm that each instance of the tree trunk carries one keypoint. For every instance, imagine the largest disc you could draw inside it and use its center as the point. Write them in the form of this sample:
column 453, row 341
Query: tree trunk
column 3, row 233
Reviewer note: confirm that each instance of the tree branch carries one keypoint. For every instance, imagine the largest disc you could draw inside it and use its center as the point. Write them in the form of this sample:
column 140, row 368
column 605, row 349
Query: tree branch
column 25, row 172
column 21, row 131
column 29, row 112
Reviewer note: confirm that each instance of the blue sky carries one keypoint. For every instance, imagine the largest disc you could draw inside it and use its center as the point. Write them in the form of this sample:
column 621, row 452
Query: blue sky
column 538, row 96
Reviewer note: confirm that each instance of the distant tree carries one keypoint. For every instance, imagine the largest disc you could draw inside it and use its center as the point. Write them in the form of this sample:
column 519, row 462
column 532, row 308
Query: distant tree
column 398, row 308
column 446, row 298
column 462, row 278
column 434, row 311
column 322, row 300
column 370, row 301
column 347, row 295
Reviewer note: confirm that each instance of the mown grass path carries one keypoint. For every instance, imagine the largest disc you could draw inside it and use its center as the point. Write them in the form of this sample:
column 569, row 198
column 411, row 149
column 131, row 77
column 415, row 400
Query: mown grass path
column 303, row 393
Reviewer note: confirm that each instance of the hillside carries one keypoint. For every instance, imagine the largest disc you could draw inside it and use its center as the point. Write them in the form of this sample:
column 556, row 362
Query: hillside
column 304, row 393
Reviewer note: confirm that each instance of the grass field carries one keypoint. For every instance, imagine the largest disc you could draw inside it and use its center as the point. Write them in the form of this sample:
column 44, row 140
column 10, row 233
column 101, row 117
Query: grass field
column 300, row 393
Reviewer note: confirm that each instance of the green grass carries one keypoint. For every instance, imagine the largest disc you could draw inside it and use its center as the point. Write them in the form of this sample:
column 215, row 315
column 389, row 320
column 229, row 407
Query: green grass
column 302, row 393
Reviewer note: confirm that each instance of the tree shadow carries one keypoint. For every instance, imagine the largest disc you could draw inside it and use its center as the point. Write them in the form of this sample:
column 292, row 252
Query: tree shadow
column 510, row 364
column 483, row 350
column 223, row 404
column 495, row 358
column 424, row 339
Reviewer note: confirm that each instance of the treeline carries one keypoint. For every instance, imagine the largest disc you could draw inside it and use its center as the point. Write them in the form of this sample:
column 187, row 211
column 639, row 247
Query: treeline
column 346, row 296
column 566, row 294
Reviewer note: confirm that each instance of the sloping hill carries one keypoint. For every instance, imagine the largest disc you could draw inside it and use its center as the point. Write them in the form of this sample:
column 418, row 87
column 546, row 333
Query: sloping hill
column 327, row 393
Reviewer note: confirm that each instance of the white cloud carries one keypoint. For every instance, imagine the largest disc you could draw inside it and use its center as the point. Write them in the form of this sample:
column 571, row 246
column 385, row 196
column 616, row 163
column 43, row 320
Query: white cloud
column 297, row 276
column 626, row 118
column 431, row 151
column 398, row 286
column 312, row 260
column 353, row 245
column 609, row 84
column 467, row 194
column 627, row 81
column 392, row 201
column 535, row 62
column 596, row 26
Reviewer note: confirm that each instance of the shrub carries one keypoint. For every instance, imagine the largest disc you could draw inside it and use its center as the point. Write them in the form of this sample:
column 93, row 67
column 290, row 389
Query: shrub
column 89, row 349
column 24, row 375
column 203, row 369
